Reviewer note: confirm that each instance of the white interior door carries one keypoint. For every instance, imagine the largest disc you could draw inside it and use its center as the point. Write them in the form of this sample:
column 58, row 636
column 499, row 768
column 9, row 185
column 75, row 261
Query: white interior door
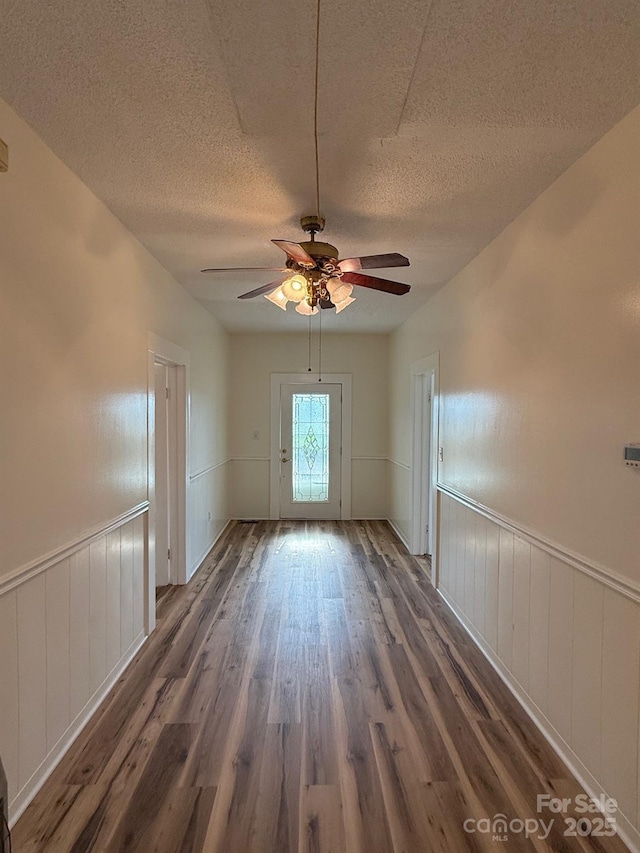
column 310, row 450
column 424, row 461
column 425, row 519
column 165, row 492
column 161, row 490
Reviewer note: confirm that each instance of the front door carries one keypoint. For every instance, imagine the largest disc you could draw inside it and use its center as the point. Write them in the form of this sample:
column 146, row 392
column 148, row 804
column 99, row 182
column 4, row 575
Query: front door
column 310, row 450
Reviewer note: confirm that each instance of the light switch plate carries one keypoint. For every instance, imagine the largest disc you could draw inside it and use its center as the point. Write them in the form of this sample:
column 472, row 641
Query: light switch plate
column 4, row 156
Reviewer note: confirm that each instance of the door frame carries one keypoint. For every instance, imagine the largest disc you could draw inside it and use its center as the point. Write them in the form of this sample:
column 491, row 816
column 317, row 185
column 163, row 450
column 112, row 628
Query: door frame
column 166, row 352
column 278, row 379
column 424, row 466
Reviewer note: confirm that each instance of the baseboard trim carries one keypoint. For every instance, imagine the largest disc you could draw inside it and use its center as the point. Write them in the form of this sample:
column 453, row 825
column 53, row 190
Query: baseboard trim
column 203, row 556
column 625, row 586
column 625, row 829
column 398, row 533
column 41, row 564
column 57, row 753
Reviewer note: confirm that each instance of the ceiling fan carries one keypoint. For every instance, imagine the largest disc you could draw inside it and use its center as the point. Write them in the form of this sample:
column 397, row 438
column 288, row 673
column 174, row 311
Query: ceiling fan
column 315, row 277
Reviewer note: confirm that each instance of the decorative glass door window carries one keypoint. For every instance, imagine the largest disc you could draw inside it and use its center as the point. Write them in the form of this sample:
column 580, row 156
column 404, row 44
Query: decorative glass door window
column 310, row 449
column 310, row 457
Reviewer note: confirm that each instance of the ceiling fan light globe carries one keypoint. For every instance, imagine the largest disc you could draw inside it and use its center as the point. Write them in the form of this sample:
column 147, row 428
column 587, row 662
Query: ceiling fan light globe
column 277, row 297
column 305, row 309
column 344, row 303
column 338, row 290
column 295, row 288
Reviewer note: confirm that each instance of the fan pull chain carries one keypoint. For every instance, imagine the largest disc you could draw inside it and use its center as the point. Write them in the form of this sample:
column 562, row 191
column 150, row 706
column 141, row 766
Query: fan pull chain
column 320, row 347
column 309, row 368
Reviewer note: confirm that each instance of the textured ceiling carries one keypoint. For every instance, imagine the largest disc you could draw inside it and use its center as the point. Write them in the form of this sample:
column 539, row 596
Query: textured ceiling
column 439, row 122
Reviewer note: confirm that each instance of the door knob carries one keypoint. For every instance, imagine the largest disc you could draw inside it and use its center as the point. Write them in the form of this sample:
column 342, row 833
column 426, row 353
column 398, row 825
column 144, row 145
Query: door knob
column 285, row 460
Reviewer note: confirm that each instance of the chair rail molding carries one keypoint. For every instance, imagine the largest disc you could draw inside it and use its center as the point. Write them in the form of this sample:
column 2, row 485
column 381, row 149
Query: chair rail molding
column 625, row 586
column 41, row 564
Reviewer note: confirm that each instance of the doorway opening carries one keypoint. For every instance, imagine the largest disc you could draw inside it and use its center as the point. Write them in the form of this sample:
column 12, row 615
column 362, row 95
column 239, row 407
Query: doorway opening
column 167, row 416
column 310, row 447
column 424, row 467
column 166, row 474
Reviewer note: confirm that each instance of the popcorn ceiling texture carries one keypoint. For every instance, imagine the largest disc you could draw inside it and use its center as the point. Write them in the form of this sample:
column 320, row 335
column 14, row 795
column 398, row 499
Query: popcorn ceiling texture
column 439, row 123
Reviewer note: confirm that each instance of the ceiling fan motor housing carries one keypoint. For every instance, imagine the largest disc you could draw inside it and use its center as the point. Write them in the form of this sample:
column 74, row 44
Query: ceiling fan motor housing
column 320, row 251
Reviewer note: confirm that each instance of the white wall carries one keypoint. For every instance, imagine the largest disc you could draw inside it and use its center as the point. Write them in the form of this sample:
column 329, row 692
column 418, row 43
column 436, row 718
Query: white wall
column 539, row 342
column 253, row 358
column 78, row 296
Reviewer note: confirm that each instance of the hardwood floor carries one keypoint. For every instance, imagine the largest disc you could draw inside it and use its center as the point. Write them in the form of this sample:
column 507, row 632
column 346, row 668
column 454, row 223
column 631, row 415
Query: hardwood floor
column 307, row 691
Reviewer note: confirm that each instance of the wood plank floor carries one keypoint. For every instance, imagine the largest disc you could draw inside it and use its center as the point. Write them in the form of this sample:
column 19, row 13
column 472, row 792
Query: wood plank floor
column 307, row 691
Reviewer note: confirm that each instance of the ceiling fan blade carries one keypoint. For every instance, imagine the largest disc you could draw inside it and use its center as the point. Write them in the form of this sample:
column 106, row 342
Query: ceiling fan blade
column 374, row 262
column 295, row 252
column 259, row 291
column 374, row 283
column 245, row 269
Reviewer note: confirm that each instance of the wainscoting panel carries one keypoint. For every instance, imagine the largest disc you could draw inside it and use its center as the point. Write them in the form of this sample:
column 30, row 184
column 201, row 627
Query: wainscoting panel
column 208, row 511
column 400, row 498
column 79, row 631
column 32, row 677
column 620, row 690
column 57, row 616
column 9, row 712
column 563, row 634
column 539, row 629
column 561, row 647
column 67, row 630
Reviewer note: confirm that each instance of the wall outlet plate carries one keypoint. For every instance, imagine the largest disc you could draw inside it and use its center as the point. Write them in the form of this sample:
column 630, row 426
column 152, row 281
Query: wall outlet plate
column 4, row 156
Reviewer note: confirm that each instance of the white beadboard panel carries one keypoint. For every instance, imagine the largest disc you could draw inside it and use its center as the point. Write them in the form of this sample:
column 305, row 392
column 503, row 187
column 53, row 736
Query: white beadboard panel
column 586, row 686
column 60, row 641
column 32, row 677
column 399, row 498
column 209, row 511
column 249, row 488
column 460, row 540
column 469, row 562
column 126, row 588
column 370, row 488
column 451, row 546
column 98, row 612
column 539, row 629
column 79, row 631
column 567, row 641
column 9, row 691
column 57, row 582
column 491, row 580
column 620, row 700
column 138, row 574
column 444, row 542
column 521, row 610
column 113, row 599
column 505, row 597
column 479, row 573
column 560, row 646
